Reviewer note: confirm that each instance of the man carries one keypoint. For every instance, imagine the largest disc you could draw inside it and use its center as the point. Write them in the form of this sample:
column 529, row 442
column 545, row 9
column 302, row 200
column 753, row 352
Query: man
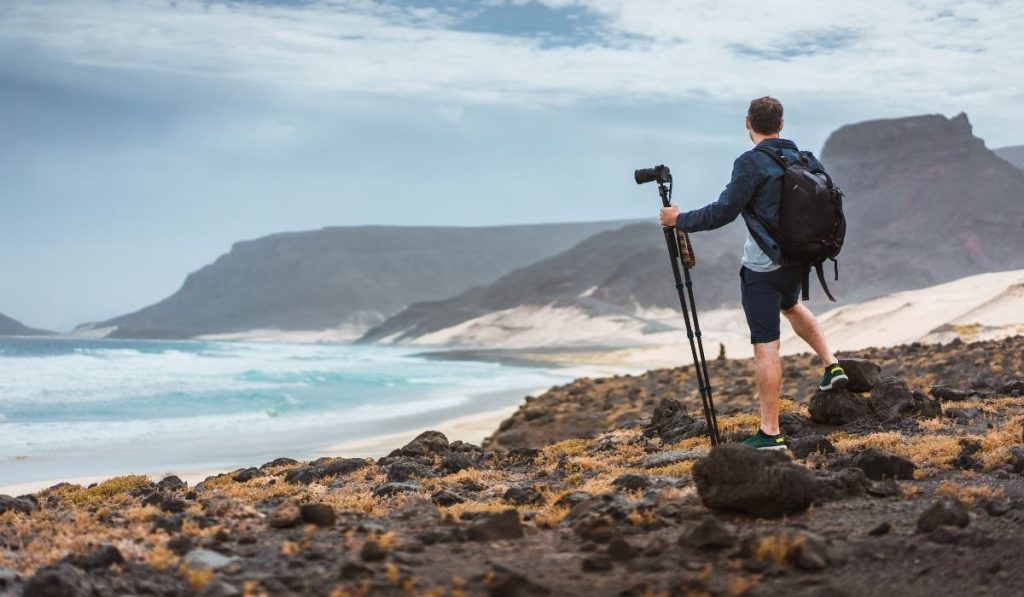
column 769, row 284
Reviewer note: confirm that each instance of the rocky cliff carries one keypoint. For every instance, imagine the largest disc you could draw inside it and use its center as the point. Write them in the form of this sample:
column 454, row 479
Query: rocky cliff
column 341, row 278
column 13, row 327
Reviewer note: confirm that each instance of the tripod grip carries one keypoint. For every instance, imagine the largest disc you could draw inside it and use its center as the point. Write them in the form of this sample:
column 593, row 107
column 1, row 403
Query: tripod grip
column 686, row 250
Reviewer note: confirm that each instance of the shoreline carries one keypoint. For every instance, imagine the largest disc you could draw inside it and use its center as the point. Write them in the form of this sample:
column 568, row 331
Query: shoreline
column 470, row 427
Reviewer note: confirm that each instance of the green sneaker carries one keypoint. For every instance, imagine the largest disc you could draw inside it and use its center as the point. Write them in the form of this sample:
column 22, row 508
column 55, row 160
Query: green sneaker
column 763, row 441
column 835, row 378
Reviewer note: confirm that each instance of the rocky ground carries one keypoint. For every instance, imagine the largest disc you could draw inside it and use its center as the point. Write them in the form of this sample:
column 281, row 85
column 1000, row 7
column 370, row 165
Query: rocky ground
column 911, row 483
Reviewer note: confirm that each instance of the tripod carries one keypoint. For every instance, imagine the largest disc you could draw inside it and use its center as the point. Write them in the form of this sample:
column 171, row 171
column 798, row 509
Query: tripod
column 680, row 250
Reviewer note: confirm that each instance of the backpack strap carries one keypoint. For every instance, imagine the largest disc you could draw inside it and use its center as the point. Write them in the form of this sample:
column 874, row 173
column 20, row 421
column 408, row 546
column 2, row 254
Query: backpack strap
column 778, row 157
column 806, row 285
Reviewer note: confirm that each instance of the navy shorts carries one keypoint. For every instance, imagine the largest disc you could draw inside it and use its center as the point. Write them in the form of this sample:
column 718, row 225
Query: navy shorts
column 764, row 295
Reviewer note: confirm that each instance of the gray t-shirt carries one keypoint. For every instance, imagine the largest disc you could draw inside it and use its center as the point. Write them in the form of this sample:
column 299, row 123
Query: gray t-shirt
column 755, row 259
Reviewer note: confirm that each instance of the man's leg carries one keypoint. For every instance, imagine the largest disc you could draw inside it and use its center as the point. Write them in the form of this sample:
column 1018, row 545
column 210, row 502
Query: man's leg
column 768, row 371
column 806, row 326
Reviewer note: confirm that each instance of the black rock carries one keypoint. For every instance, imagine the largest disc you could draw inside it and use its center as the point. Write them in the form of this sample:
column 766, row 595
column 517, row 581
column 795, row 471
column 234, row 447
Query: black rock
column 60, row 580
column 709, row 533
column 612, row 504
column 1014, row 388
column 630, row 481
column 881, row 529
column 278, row 462
column 863, row 374
column 884, row 489
column 455, row 462
column 321, row 515
column 599, row 528
column 103, row 557
column 965, row 460
column 522, row 495
column 841, row 484
column 878, row 465
column 445, row 497
column 246, row 474
column 8, row 503
column 837, row 407
column 314, row 472
column 1016, row 460
column 757, row 482
column 153, row 499
column 173, row 505
column 389, row 489
column 355, row 571
column 373, row 551
column 171, row 483
column 502, row 581
column 405, row 468
column 180, row 544
column 621, row 550
column 496, row 526
column 168, row 524
column 949, row 394
column 802, row 447
column 892, row 399
column 945, row 511
column 671, row 423
column 427, row 443
column 792, row 423
column 996, row 508
column 571, row 500
column 597, row 563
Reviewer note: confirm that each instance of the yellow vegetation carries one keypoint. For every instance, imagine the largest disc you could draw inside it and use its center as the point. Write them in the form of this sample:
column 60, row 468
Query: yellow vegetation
column 968, row 494
column 110, row 492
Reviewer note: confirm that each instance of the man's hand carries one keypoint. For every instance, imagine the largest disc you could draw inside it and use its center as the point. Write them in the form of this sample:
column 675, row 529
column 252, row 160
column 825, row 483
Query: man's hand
column 669, row 215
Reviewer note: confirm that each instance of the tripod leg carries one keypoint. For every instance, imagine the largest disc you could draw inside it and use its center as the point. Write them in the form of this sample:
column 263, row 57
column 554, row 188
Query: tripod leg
column 703, row 361
column 699, row 371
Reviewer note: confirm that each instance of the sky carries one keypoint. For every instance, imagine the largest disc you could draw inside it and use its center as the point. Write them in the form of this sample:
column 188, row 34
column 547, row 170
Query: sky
column 140, row 138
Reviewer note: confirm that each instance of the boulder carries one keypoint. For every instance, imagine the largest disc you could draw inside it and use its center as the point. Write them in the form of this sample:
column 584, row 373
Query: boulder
column 446, row 497
column 521, row 496
column 878, row 465
column 837, row 407
column 456, row 462
column 945, row 511
column 171, row 483
column 496, row 526
column 841, row 484
column 863, row 374
column 802, row 447
column 60, row 580
column 762, row 483
column 893, row 399
column 321, row 515
column 8, row 503
column 631, row 481
column 671, row 423
column 948, row 394
column 286, row 515
column 427, row 443
column 709, row 533
column 104, row 556
column 404, row 469
column 331, row 467
column 1013, row 388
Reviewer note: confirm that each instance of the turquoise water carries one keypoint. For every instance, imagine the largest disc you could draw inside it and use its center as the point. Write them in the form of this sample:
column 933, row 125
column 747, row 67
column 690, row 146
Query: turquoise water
column 80, row 406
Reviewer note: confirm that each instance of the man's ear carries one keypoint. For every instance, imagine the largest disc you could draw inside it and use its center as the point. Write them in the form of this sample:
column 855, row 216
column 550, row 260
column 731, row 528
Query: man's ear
column 746, row 123
column 782, row 125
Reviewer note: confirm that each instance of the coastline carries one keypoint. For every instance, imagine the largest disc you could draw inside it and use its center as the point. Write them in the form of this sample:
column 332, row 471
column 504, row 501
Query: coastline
column 462, row 422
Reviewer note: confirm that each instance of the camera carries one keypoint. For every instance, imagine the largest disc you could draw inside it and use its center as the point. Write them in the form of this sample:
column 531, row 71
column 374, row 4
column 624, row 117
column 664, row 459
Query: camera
column 659, row 173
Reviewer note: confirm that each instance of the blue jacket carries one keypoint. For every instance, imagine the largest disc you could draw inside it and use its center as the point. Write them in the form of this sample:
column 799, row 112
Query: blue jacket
column 755, row 191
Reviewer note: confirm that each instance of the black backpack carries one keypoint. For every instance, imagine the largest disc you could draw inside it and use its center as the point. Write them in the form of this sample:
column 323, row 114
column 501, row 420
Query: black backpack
column 812, row 226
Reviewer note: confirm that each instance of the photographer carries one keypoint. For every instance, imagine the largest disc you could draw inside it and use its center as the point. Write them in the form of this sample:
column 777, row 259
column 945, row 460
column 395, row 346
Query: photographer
column 769, row 283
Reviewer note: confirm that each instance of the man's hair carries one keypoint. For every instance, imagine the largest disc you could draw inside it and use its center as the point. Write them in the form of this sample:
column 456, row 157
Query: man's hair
column 765, row 114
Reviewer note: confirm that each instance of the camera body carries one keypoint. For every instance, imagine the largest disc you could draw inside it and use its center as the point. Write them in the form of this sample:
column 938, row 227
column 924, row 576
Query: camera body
column 659, row 173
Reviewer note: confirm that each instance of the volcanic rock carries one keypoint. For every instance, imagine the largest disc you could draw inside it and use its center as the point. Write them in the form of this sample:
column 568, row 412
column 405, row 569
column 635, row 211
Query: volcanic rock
column 758, row 482
column 389, row 489
column 427, row 443
column 671, row 423
column 841, row 484
column 863, row 374
column 494, row 527
column 878, row 465
column 893, row 399
column 321, row 515
column 456, row 462
column 621, row 550
column 171, row 483
column 60, row 580
column 287, row 514
column 802, row 447
column 630, row 481
column 837, row 407
column 709, row 533
column 104, row 556
column 521, row 496
column 329, row 468
column 949, row 394
column 503, row 581
column 246, row 475
column 945, row 511
column 445, row 497
column 404, row 469
column 8, row 503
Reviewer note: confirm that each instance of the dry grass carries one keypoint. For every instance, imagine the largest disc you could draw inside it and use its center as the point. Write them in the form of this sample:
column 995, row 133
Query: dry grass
column 969, row 494
column 110, row 492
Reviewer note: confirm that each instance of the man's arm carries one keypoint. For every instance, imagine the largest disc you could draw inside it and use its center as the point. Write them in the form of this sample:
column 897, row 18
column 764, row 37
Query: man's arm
column 731, row 202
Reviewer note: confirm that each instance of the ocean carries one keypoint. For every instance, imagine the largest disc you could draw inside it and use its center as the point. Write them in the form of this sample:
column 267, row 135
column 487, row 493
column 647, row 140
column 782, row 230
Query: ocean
column 83, row 407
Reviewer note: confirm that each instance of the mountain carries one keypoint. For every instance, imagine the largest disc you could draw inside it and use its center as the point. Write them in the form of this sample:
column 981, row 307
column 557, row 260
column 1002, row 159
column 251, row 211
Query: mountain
column 13, row 327
column 926, row 203
column 1014, row 155
column 342, row 279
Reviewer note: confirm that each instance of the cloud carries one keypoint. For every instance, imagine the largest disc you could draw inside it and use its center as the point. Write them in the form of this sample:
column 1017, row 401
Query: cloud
column 940, row 53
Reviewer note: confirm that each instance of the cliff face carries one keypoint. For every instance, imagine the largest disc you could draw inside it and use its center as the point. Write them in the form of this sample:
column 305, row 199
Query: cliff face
column 341, row 277
column 13, row 327
column 926, row 203
column 1014, row 155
